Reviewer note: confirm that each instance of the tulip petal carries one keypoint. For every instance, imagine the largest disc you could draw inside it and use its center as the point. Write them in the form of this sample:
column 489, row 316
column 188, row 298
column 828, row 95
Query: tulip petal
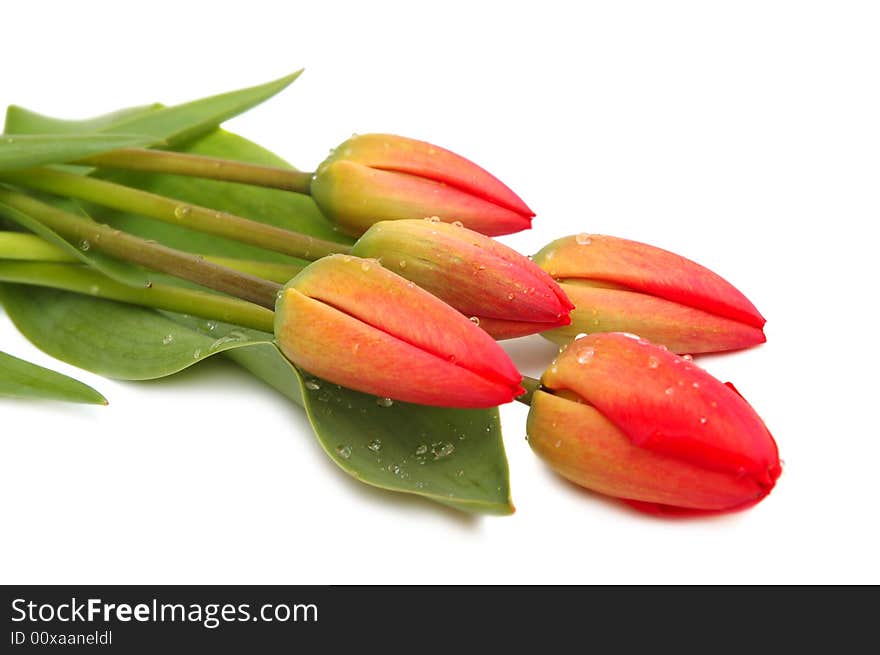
column 331, row 344
column 667, row 405
column 386, row 304
column 356, row 196
column 475, row 274
column 419, row 158
column 649, row 270
column 680, row 328
column 585, row 447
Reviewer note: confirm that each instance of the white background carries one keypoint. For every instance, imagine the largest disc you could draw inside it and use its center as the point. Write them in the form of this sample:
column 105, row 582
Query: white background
column 744, row 135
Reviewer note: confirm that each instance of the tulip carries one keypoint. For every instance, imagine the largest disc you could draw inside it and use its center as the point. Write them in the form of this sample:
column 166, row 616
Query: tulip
column 502, row 291
column 352, row 322
column 376, row 177
column 629, row 419
column 621, row 285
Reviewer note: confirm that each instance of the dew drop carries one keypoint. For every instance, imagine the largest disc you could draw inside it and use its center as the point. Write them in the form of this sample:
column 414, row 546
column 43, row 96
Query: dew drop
column 653, row 362
column 580, row 335
column 355, row 348
column 365, row 266
column 558, row 443
column 703, row 420
column 510, row 296
column 585, row 355
column 375, row 445
column 583, row 239
column 384, row 402
column 94, row 289
column 168, row 339
column 687, row 358
column 343, row 450
column 197, row 353
column 475, row 320
column 402, row 263
column 211, row 325
column 696, row 385
column 458, row 223
column 669, row 391
column 421, row 449
column 182, row 211
column 459, row 473
column 432, row 219
column 312, row 385
column 442, row 449
column 84, row 245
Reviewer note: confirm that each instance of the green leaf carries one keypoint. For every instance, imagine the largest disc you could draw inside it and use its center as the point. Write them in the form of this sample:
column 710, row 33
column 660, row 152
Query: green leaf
column 118, row 270
column 181, row 123
column 24, row 121
column 175, row 125
column 455, row 457
column 21, row 379
column 28, row 150
column 110, row 338
column 452, row 456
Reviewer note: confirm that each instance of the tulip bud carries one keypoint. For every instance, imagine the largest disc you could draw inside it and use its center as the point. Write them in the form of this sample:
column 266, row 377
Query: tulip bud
column 375, row 177
column 621, row 285
column 629, row 419
column 354, row 323
column 502, row 291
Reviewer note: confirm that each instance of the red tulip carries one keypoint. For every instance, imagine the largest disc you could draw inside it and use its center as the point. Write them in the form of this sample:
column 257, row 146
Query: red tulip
column 629, row 419
column 354, row 323
column 503, row 292
column 375, row 177
column 621, row 285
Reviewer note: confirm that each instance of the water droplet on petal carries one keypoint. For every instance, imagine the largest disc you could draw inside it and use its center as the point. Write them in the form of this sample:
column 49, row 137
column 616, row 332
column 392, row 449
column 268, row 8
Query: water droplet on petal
column 402, row 263
column 696, row 385
column 84, row 245
column 312, row 385
column 182, row 211
column 585, row 355
column 432, row 219
column 384, row 402
column 197, row 353
column 365, row 266
column 703, row 420
column 583, row 239
column 475, row 320
column 168, row 339
column 344, row 451
column 558, row 443
column 421, row 449
column 459, row 472
column 458, row 223
column 653, row 362
column 580, row 335
column 510, row 296
column 669, row 391
column 375, row 445
column 687, row 358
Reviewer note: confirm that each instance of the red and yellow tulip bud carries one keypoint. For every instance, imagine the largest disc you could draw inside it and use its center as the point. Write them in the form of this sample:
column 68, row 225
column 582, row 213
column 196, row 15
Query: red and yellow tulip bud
column 376, row 177
column 621, row 285
column 502, row 291
column 352, row 322
column 623, row 417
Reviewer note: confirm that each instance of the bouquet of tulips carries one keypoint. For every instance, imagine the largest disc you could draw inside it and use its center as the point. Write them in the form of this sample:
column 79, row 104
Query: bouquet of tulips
column 372, row 293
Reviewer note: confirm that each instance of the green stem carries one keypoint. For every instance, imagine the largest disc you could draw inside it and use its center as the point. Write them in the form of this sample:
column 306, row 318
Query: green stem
column 176, row 212
column 22, row 246
column 531, row 385
column 146, row 253
column 81, row 279
column 212, row 168
column 29, row 247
